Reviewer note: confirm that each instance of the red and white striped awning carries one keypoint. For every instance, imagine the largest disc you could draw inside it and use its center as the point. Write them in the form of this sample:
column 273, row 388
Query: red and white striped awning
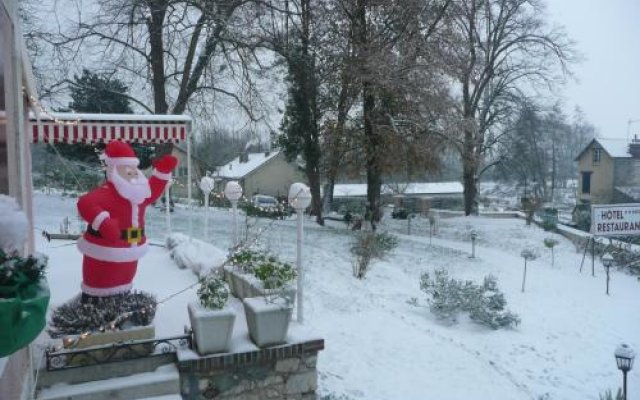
column 96, row 128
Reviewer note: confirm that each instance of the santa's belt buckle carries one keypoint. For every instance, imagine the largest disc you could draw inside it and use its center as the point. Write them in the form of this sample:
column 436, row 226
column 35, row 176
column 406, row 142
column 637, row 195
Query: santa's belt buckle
column 133, row 235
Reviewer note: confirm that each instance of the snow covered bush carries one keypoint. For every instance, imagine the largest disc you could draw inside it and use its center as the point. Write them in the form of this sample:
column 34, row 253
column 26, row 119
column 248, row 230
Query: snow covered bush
column 272, row 272
column 583, row 219
column 17, row 272
column 213, row 292
column 549, row 225
column 484, row 304
column 100, row 314
column 246, row 259
column 369, row 246
column 608, row 395
column 176, row 239
column 550, row 243
column 198, row 256
column 278, row 212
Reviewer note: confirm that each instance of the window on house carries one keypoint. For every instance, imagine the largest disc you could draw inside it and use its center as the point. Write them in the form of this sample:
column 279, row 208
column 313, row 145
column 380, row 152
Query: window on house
column 586, row 182
column 597, row 153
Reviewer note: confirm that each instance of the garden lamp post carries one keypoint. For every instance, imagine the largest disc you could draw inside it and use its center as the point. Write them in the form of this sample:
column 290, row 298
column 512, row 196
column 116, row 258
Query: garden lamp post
column 167, row 205
column 207, row 184
column 233, row 192
column 607, row 261
column 299, row 199
column 624, row 358
column 474, row 236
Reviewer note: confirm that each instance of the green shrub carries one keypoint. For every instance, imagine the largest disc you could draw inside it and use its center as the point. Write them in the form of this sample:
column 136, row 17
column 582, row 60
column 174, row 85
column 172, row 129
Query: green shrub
column 278, row 212
column 17, row 272
column 213, row 292
column 449, row 297
column 549, row 225
column 246, row 259
column 583, row 220
column 369, row 246
column 272, row 272
column 608, row 395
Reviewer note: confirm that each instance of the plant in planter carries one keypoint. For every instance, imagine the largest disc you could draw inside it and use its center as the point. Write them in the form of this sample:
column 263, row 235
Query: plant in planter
column 212, row 323
column 273, row 273
column 24, row 294
column 268, row 316
column 242, row 263
column 258, row 274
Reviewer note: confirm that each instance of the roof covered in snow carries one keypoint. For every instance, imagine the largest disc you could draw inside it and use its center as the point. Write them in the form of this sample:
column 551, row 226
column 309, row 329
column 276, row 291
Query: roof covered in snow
column 431, row 188
column 616, row 148
column 632, row 192
column 236, row 169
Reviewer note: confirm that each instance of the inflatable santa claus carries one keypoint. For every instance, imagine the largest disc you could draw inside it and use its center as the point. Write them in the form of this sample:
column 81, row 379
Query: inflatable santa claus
column 115, row 238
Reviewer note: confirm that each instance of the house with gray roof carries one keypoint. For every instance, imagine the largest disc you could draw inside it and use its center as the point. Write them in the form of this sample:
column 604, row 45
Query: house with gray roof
column 266, row 172
column 609, row 172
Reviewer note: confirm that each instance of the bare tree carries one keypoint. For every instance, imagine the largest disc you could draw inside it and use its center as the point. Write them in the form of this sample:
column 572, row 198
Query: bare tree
column 387, row 39
column 182, row 50
column 496, row 51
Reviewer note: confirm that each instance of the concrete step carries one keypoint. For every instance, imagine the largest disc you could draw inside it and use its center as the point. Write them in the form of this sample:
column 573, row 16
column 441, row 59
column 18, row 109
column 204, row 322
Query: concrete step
column 164, row 381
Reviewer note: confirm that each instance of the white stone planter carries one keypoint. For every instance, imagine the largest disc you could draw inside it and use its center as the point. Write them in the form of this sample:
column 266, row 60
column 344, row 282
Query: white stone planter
column 246, row 286
column 212, row 328
column 268, row 322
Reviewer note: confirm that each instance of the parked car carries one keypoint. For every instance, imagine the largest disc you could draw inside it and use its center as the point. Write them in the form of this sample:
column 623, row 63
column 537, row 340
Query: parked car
column 264, row 201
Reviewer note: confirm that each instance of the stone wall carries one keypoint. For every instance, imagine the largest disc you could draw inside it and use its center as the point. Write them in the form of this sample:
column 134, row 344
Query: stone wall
column 286, row 372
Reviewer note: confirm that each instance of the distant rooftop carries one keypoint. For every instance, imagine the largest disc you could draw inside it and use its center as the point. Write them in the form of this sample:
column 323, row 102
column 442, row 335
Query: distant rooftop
column 631, row 191
column 617, row 148
column 431, row 188
column 236, row 169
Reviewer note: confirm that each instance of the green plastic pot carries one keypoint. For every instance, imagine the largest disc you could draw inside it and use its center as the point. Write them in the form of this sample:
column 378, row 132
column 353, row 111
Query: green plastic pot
column 23, row 316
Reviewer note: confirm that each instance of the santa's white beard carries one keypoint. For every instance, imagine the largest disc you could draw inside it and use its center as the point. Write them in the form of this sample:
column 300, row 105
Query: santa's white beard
column 136, row 191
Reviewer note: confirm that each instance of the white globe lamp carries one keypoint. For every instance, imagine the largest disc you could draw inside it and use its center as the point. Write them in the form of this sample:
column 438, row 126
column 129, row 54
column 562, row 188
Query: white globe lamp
column 299, row 199
column 233, row 192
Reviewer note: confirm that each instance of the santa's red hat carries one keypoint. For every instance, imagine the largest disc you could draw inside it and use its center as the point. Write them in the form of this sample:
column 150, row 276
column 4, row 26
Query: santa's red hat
column 119, row 153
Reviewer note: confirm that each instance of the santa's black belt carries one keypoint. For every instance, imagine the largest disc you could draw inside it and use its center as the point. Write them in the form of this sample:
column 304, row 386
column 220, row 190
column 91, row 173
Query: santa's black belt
column 131, row 234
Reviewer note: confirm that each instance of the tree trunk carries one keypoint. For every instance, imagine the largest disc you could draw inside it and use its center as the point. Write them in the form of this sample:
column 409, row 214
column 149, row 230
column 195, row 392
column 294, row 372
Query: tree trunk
column 156, row 55
column 316, row 200
column 469, row 173
column 372, row 145
column 470, row 188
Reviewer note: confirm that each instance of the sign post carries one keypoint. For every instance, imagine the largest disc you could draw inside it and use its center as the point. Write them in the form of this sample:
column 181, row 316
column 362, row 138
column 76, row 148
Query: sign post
column 615, row 219
column 612, row 220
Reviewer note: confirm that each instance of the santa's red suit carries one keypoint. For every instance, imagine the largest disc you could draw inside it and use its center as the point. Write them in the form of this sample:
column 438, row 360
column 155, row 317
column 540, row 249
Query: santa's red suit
column 115, row 239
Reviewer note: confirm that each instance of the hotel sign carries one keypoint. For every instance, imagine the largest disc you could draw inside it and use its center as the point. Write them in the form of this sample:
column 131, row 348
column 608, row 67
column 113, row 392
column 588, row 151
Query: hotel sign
column 615, row 219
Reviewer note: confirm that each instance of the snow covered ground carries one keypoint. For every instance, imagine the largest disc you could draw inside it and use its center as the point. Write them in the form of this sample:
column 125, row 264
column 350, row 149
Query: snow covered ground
column 380, row 345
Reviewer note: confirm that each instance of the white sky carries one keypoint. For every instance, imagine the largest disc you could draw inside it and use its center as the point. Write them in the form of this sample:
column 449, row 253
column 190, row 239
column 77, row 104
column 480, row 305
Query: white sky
column 607, row 33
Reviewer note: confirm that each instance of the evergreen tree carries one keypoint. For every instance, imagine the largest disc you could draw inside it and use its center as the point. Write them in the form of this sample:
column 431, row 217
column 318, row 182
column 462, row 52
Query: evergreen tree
column 99, row 93
column 300, row 129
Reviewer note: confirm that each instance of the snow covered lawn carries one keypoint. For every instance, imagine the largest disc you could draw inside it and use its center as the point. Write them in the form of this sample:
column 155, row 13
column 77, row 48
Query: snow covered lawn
column 380, row 345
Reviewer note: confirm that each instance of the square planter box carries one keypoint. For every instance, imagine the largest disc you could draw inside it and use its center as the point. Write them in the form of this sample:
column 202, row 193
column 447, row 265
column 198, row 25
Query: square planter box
column 246, row 286
column 268, row 322
column 212, row 328
column 97, row 339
